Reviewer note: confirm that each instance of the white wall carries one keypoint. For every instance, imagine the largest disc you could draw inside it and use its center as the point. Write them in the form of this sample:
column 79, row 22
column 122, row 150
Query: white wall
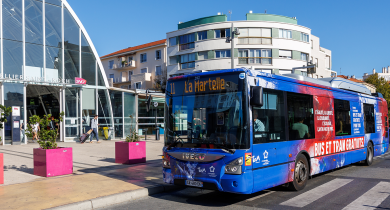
column 220, row 43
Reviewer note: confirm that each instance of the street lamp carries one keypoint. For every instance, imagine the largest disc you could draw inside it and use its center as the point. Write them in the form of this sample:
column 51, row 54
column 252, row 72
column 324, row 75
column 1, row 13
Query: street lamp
column 230, row 39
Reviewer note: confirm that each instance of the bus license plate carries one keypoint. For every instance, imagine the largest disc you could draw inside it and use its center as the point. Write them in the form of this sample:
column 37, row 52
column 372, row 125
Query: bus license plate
column 194, row 183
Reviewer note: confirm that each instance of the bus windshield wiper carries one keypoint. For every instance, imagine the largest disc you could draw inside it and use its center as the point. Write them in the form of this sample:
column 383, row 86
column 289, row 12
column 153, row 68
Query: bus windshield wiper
column 176, row 141
column 225, row 149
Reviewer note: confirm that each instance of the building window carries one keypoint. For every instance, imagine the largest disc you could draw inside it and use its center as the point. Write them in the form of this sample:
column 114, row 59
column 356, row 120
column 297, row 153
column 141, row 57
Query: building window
column 112, row 76
column 222, row 33
column 285, row 54
column 304, row 56
column 202, row 35
column 222, row 53
column 172, row 60
column 300, row 116
column 283, row 33
column 187, row 41
column 130, row 59
column 110, row 64
column 284, row 71
column 144, row 70
column 158, row 70
column 252, row 56
column 304, row 37
column 129, row 87
column 138, row 85
column 255, row 36
column 369, row 118
column 187, row 61
column 172, row 41
column 130, row 73
column 203, row 55
column 158, row 54
column 143, row 57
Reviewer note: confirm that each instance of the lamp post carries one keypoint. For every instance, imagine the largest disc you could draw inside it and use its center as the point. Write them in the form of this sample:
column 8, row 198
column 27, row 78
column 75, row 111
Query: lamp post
column 230, row 39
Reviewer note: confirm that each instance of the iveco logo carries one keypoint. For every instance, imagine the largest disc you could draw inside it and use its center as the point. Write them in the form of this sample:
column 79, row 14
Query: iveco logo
column 193, row 156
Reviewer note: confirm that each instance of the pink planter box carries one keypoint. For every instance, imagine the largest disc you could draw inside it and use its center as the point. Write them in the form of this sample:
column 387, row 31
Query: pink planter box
column 1, row 168
column 130, row 152
column 53, row 162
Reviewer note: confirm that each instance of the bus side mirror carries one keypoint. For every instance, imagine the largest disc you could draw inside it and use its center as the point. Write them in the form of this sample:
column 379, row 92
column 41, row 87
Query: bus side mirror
column 256, row 96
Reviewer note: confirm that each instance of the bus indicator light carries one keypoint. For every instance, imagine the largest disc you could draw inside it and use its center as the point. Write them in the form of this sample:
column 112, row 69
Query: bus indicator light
column 290, row 155
column 248, row 159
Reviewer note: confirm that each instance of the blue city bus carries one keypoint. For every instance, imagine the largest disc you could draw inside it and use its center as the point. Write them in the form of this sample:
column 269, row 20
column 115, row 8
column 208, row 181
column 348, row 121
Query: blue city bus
column 243, row 131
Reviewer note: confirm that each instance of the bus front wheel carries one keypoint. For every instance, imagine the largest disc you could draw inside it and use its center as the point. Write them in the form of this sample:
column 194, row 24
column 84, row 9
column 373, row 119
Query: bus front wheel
column 369, row 155
column 301, row 173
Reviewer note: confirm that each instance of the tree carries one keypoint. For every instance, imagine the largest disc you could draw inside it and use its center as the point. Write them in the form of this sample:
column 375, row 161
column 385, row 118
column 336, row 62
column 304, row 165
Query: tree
column 382, row 86
column 160, row 80
column 4, row 113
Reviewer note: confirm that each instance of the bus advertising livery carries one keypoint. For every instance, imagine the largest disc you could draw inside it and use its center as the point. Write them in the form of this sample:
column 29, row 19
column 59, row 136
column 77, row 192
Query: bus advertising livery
column 243, row 131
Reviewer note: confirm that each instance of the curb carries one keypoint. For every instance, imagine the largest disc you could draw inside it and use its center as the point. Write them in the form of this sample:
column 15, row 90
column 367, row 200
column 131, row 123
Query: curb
column 117, row 198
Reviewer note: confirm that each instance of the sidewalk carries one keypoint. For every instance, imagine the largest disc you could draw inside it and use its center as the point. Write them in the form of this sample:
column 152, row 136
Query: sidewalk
column 95, row 175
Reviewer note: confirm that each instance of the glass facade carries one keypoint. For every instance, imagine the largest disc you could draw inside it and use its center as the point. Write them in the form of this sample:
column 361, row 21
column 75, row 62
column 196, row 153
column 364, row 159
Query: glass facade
column 41, row 57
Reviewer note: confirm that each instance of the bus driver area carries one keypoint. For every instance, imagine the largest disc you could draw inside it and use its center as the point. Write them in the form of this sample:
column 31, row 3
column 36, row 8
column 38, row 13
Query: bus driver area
column 255, row 130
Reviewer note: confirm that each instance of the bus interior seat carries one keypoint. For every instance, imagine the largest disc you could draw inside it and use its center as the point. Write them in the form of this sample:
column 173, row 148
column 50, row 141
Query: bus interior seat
column 294, row 135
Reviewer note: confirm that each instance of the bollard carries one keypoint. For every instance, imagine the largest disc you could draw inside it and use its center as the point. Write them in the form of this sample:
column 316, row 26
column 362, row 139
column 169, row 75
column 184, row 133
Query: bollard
column 1, row 168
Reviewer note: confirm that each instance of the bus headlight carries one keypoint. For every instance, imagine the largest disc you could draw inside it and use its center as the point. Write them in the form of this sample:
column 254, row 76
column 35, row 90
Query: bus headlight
column 166, row 163
column 234, row 167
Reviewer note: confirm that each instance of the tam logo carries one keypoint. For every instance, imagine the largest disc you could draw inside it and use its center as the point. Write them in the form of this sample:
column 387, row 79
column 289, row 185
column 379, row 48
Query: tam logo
column 80, row 81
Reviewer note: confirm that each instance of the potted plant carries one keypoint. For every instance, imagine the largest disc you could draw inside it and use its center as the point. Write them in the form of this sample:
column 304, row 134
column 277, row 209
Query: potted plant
column 4, row 113
column 132, row 150
column 49, row 159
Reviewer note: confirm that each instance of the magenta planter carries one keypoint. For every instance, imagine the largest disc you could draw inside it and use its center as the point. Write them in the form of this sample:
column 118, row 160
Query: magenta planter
column 53, row 162
column 130, row 152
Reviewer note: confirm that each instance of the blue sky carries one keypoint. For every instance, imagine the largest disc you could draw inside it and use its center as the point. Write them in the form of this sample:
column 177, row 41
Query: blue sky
column 357, row 32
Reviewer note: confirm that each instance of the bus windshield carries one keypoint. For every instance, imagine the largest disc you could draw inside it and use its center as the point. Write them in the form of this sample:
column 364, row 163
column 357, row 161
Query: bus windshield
column 206, row 112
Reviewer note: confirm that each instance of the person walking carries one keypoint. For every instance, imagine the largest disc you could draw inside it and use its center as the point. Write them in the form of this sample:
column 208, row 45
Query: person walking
column 94, row 127
column 35, row 128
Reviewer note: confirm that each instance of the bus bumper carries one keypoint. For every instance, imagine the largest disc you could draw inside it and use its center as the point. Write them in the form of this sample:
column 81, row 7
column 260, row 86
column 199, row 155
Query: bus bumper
column 241, row 184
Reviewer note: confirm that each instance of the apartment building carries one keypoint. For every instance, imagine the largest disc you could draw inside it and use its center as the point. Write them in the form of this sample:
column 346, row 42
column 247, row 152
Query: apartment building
column 265, row 42
column 139, row 67
column 385, row 73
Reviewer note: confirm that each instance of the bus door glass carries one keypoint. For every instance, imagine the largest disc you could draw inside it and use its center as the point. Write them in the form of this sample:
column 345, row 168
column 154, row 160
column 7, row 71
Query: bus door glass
column 269, row 132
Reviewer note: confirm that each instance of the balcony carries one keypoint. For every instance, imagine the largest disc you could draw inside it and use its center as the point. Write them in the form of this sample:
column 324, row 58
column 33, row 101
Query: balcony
column 129, row 65
column 141, row 77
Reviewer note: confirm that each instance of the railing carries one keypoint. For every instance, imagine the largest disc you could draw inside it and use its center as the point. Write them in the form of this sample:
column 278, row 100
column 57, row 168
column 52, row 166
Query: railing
column 120, row 79
column 124, row 65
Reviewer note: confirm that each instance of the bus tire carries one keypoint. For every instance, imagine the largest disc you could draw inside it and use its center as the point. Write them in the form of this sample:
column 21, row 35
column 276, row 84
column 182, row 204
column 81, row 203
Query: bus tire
column 369, row 155
column 301, row 173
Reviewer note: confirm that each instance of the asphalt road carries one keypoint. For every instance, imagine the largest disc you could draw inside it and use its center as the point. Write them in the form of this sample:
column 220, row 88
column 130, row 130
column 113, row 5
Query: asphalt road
column 352, row 187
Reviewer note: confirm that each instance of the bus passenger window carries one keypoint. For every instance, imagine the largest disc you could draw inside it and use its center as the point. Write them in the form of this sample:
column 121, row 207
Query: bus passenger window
column 342, row 117
column 300, row 116
column 269, row 120
column 369, row 118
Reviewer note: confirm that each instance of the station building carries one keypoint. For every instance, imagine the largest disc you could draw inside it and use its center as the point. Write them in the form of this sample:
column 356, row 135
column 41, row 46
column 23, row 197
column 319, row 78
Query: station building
column 268, row 43
column 49, row 65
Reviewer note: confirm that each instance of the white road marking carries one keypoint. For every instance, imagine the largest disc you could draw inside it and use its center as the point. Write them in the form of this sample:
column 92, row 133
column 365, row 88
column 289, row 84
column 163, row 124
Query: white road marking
column 260, row 196
column 372, row 198
column 316, row 193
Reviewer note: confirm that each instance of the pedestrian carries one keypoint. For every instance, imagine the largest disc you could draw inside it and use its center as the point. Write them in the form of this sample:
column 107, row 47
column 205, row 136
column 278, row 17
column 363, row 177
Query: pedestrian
column 52, row 124
column 22, row 131
column 94, row 127
column 35, row 128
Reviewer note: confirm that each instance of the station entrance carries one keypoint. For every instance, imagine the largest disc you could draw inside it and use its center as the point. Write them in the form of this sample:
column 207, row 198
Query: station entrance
column 42, row 100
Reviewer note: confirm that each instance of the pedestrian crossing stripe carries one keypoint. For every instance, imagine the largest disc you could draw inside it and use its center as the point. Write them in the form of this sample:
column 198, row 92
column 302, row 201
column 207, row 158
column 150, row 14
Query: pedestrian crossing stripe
column 316, row 193
column 372, row 198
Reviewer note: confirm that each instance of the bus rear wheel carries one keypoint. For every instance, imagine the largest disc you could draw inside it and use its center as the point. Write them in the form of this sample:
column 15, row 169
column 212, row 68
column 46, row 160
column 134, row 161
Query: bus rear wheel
column 369, row 155
column 301, row 173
